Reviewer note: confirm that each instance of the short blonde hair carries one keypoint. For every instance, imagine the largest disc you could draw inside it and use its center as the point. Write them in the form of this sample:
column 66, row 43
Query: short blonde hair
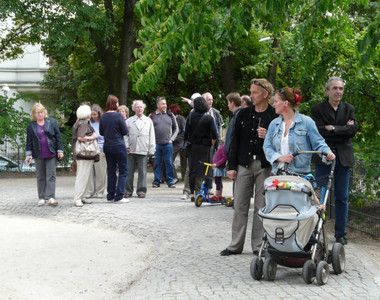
column 123, row 107
column 40, row 107
column 83, row 112
column 265, row 86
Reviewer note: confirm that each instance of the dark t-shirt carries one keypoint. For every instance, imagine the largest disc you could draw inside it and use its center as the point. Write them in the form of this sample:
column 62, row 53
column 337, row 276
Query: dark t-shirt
column 113, row 128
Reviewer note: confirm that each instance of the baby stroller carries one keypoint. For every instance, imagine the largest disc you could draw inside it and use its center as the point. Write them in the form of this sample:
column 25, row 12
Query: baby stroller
column 294, row 231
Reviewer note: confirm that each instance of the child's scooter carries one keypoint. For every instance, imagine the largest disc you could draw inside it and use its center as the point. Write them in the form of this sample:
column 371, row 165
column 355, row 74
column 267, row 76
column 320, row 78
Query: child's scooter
column 204, row 196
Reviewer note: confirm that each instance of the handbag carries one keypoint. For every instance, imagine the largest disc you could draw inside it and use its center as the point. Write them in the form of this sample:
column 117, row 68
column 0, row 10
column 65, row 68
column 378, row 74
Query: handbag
column 87, row 150
column 187, row 144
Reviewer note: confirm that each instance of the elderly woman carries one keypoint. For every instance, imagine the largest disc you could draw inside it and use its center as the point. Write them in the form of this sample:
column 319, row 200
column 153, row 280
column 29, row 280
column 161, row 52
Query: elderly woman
column 124, row 111
column 44, row 143
column 98, row 177
column 201, row 132
column 141, row 143
column 292, row 132
column 83, row 132
column 112, row 126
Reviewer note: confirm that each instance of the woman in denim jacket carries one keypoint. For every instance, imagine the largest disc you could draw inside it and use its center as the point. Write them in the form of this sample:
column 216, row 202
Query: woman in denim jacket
column 292, row 132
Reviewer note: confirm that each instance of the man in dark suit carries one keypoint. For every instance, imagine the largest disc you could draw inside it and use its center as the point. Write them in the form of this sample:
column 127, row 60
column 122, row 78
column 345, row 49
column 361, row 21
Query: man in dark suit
column 336, row 122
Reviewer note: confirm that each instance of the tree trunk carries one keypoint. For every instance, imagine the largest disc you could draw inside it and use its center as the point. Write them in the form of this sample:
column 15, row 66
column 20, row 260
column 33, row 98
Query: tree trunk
column 106, row 54
column 126, row 50
column 272, row 72
column 228, row 78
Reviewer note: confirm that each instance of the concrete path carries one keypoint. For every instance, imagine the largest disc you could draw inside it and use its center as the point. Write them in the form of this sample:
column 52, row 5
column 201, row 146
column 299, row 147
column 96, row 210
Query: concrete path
column 159, row 247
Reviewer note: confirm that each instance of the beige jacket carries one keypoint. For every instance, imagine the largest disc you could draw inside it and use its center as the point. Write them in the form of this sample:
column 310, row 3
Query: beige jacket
column 140, row 139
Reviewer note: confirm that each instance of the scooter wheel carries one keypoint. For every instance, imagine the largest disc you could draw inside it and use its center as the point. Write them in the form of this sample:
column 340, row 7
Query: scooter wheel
column 198, row 201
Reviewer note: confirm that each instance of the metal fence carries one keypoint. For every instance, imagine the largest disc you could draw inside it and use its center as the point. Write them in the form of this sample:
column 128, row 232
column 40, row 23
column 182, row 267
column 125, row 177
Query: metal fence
column 364, row 198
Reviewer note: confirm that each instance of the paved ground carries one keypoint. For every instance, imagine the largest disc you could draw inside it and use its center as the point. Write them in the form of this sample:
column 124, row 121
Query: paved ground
column 179, row 246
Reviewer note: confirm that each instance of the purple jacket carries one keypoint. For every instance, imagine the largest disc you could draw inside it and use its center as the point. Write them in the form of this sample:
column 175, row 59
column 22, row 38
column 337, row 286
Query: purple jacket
column 220, row 157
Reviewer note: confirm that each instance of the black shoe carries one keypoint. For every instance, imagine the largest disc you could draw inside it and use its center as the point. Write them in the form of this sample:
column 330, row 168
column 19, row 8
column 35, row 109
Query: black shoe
column 192, row 199
column 341, row 239
column 227, row 252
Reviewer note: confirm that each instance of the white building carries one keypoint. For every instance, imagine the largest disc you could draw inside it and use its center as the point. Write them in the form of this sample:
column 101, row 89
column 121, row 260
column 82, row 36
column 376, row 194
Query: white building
column 24, row 74
column 20, row 76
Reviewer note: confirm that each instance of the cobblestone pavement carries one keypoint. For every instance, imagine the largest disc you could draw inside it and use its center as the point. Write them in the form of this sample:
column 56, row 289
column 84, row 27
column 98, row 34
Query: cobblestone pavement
column 185, row 263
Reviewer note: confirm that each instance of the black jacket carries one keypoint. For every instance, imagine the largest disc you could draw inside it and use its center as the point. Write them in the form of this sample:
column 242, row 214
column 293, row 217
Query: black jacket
column 53, row 136
column 340, row 139
column 245, row 142
column 202, row 134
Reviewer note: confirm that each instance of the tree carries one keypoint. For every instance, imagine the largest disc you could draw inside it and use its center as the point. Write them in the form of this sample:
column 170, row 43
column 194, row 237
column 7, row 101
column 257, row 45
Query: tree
column 13, row 122
column 65, row 26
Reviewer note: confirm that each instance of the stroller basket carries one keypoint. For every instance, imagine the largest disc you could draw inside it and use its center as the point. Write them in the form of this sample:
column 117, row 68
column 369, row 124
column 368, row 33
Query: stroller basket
column 289, row 217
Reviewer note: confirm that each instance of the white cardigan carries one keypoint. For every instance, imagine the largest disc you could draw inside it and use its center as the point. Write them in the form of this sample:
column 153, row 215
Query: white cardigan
column 140, row 138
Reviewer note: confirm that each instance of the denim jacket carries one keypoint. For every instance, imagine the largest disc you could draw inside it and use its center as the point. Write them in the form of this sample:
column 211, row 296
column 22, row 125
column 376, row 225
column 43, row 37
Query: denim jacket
column 303, row 136
column 53, row 135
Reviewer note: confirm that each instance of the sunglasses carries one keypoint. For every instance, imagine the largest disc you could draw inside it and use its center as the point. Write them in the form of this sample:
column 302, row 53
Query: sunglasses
column 282, row 91
column 260, row 84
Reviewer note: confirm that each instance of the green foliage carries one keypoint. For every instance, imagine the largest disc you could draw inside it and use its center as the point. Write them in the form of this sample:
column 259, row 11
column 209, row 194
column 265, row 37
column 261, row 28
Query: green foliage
column 13, row 122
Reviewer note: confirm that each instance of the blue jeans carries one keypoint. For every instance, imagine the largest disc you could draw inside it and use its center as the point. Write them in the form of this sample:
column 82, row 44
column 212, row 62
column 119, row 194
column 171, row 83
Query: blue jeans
column 341, row 185
column 163, row 152
column 116, row 156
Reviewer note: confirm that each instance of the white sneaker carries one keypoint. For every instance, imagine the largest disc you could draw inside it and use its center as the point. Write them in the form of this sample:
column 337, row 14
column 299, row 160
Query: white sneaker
column 86, row 201
column 124, row 200
column 78, row 203
column 184, row 197
column 52, row 201
column 41, row 202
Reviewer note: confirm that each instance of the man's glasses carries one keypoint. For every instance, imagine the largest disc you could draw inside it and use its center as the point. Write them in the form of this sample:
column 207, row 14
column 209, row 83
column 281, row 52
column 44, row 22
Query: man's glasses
column 282, row 91
column 260, row 84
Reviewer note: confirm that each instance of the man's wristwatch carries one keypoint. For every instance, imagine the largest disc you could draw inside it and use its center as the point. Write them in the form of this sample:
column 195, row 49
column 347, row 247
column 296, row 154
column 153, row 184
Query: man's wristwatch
column 333, row 128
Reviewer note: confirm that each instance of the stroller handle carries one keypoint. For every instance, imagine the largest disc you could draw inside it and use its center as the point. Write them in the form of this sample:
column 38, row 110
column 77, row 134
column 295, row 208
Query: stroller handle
column 309, row 152
column 333, row 162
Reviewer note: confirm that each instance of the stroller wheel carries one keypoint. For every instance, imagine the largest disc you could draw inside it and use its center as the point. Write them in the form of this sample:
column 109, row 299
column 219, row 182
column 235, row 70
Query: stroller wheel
column 322, row 272
column 338, row 258
column 308, row 271
column 256, row 268
column 270, row 269
column 198, row 201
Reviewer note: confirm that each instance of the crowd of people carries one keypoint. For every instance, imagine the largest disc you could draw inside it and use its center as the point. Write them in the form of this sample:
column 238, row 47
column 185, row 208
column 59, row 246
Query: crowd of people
column 263, row 131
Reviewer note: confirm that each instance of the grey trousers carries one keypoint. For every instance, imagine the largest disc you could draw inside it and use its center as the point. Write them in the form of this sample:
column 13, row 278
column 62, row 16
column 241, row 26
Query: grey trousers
column 246, row 179
column 98, row 177
column 141, row 161
column 46, row 177
column 82, row 178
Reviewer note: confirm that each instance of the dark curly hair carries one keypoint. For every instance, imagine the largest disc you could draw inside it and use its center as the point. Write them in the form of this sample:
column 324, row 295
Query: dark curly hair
column 200, row 105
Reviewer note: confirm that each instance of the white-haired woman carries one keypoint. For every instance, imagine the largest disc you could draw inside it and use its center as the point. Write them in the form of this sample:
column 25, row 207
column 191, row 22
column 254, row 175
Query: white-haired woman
column 44, row 143
column 83, row 132
column 140, row 143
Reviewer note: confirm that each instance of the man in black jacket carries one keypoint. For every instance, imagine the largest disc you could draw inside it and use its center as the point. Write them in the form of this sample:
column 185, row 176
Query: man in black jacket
column 336, row 122
column 248, row 166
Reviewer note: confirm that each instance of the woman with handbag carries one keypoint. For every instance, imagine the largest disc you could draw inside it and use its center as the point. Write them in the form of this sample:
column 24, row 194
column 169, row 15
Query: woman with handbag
column 85, row 151
column 44, row 143
column 112, row 126
column 200, row 131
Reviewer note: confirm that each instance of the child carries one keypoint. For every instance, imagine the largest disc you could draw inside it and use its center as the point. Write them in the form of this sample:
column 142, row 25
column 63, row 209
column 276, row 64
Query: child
column 219, row 166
